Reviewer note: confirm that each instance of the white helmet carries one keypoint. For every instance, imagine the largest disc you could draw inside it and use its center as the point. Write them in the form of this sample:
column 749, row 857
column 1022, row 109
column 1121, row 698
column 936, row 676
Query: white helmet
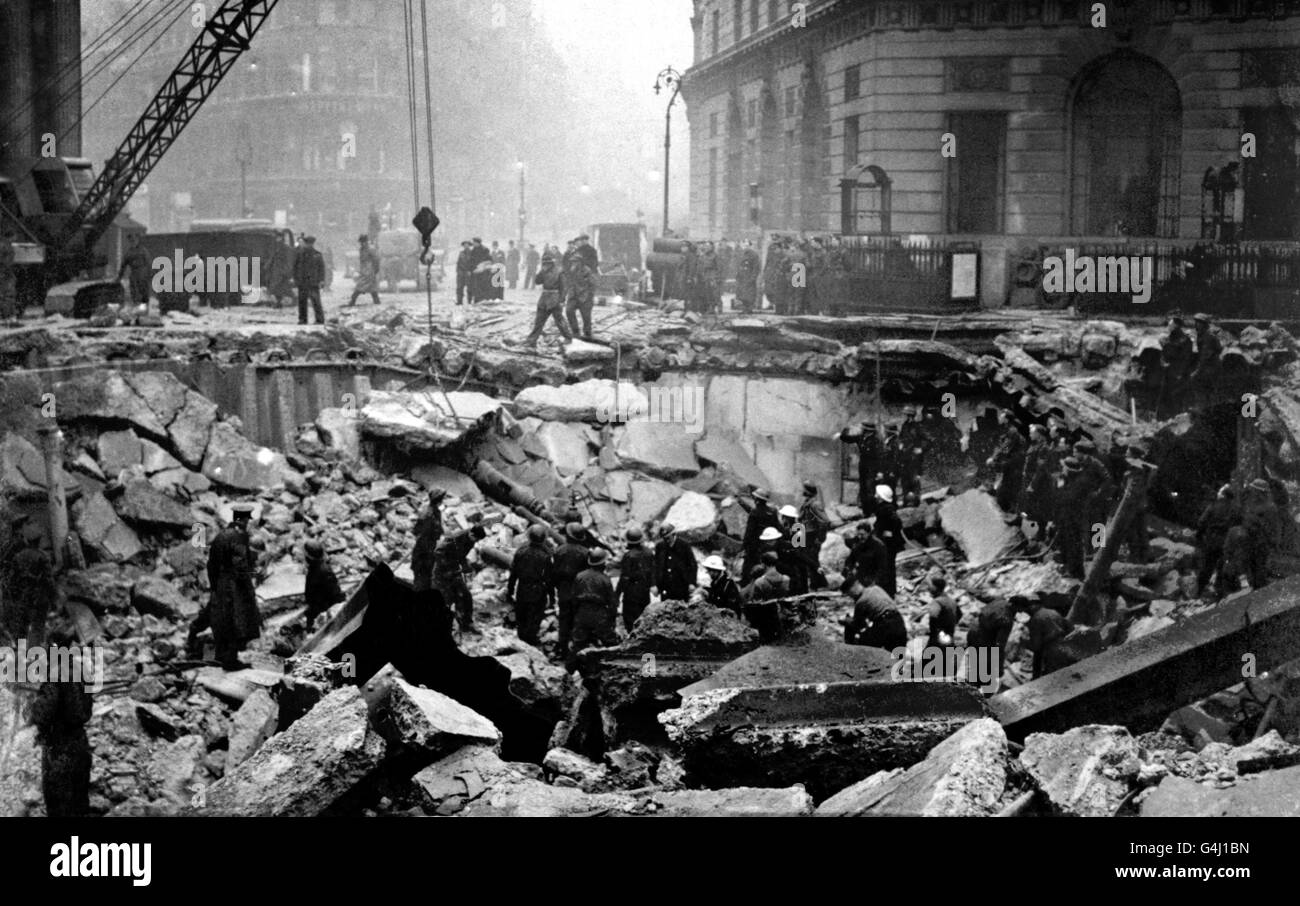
column 885, row 493
column 715, row 562
column 770, row 534
column 788, row 511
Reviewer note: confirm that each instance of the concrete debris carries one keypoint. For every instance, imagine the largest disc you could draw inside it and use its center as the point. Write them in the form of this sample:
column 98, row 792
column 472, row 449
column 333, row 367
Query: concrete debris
column 1268, row 752
column 22, row 467
column 729, row 456
column 251, row 726
column 975, row 522
column 963, row 776
column 1086, row 771
column 582, row 771
column 590, row 401
column 1274, row 794
column 424, row 420
column 651, row 499
column 235, row 462
column 103, row 532
column 694, row 516
column 427, row 722
column 690, row 629
column 565, row 446
column 662, row 449
column 340, row 430
column 456, row 484
column 141, row 504
column 156, row 596
column 306, row 769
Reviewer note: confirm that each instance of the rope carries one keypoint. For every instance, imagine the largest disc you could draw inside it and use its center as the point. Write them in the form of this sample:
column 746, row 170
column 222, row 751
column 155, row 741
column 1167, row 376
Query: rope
column 410, row 99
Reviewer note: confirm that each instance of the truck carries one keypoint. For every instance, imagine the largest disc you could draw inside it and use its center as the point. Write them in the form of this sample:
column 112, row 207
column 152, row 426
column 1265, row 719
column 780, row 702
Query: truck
column 622, row 248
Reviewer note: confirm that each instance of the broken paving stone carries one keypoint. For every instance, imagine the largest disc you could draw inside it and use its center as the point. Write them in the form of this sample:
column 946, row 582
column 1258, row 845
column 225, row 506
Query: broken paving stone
column 148, row 689
column 737, row 802
column 424, row 419
column 103, row 531
column 180, row 482
column 1272, row 794
column 975, row 522
column 694, row 516
column 251, row 725
column 663, row 449
column 174, row 769
column 1086, row 771
column 157, row 596
column 588, row 401
column 963, row 776
column 1267, row 753
column 106, row 397
column 141, row 504
column 650, row 499
column 236, row 462
column 157, row 722
column 306, row 769
column 155, row 459
column 190, row 429
column 577, row 351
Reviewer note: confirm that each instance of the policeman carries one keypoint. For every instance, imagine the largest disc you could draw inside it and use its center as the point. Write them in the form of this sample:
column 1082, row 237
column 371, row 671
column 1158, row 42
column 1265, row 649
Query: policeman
column 675, row 570
column 29, row 588
column 636, row 576
column 464, row 273
column 570, row 559
column 870, row 458
column 816, row 527
column 449, row 568
column 531, row 587
column 1176, row 356
column 309, row 275
column 60, row 714
column 322, row 586
column 594, row 605
column 428, row 531
column 723, row 592
column 232, row 606
column 876, row 621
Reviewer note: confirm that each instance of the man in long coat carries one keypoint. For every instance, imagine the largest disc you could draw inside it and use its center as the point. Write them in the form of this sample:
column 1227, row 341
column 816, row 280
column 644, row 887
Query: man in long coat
column 232, row 608
column 367, row 272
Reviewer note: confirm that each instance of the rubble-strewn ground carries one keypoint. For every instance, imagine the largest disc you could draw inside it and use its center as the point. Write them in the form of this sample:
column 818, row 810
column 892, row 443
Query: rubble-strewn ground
column 153, row 467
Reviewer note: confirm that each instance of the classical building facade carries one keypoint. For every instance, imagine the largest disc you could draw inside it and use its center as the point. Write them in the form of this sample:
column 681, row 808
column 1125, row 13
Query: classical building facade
column 1009, row 121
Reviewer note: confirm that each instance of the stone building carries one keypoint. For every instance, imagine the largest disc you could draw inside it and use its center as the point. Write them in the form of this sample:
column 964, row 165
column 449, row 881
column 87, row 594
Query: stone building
column 1061, row 120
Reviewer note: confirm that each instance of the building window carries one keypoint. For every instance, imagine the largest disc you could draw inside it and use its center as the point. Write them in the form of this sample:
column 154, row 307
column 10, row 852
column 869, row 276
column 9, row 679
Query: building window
column 713, row 189
column 751, row 113
column 713, row 125
column 753, row 16
column 975, row 174
column 851, row 134
column 1271, row 179
column 714, row 34
column 738, row 26
column 852, row 82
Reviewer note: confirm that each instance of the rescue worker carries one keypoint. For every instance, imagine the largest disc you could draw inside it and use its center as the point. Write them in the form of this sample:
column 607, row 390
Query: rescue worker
column 1047, row 628
column 580, row 288
column 512, row 265
column 136, row 263
column 1008, row 462
column 710, row 281
column 1073, row 525
column 550, row 303
column 29, row 590
column 889, row 528
column 776, row 282
column 761, row 516
column 322, row 590
column 594, row 606
column 569, row 560
column 1207, row 368
column 464, row 273
column 876, row 621
column 531, row 586
column 944, row 615
column 309, row 275
column 1176, row 356
column 1212, row 533
column 675, row 570
column 868, row 560
column 792, row 561
column 870, row 456
column 1262, row 524
column 8, row 276
column 450, row 564
column 497, row 281
column 911, row 446
column 60, row 714
column 587, row 252
column 686, row 275
column 367, row 272
column 992, row 629
column 531, row 261
column 1036, row 480
column 748, row 270
column 636, row 576
column 428, row 532
column 723, row 592
column 232, row 610
column 768, row 586
column 1098, row 477
column 280, row 280
column 480, row 270
column 1136, row 537
column 816, row 526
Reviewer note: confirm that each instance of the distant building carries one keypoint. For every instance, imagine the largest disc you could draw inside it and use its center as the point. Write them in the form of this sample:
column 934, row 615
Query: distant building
column 1061, row 128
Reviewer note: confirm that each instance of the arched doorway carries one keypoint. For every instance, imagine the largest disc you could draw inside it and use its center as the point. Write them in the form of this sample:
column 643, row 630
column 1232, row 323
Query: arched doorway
column 1126, row 137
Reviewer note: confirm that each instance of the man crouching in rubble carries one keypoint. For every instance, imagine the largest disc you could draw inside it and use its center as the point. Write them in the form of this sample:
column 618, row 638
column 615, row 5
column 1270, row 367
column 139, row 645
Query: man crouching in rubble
column 876, row 621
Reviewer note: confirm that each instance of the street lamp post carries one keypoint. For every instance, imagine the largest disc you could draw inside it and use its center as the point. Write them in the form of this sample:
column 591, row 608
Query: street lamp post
column 668, row 78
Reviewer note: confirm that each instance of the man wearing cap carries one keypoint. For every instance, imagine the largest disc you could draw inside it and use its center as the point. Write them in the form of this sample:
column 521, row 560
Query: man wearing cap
column 464, row 273
column 367, row 272
column 675, row 569
column 29, row 588
column 1073, row 525
column 868, row 560
column 876, row 621
column 309, row 275
column 870, row 455
column 531, row 587
column 758, row 594
column 1263, row 525
column 1036, row 481
column 761, row 516
column 428, row 532
column 450, row 564
column 1008, row 462
column 816, row 527
column 322, row 589
column 723, row 592
column 594, row 606
column 570, row 559
column 232, row 605
column 550, row 303
column 636, row 576
column 1212, row 533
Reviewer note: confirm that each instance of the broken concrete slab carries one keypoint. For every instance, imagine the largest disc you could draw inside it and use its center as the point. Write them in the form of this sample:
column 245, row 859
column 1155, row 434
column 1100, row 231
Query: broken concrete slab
column 975, row 522
column 1084, row 772
column 588, row 401
column 695, row 517
column 650, row 499
column 809, row 659
column 565, row 447
column 103, row 532
column 22, row 467
column 421, row 720
column 665, row 450
column 236, row 462
column 690, row 629
column 456, row 484
column 426, row 419
column 577, row 351
column 251, row 725
column 581, row 770
column 340, row 430
column 1273, row 794
column 107, row 398
column 180, row 482
column 307, row 769
column 736, row 802
column 155, row 595
column 190, row 429
column 1267, row 753
column 155, row 459
column 963, row 776
column 141, row 504
column 118, row 450
column 727, row 454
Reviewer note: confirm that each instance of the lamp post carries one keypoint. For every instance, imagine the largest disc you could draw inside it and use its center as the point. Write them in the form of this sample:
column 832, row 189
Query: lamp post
column 668, row 78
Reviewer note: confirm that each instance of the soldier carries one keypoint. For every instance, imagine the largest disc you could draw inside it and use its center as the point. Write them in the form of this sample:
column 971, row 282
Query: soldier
column 636, row 576
column 531, row 587
column 367, row 272
column 876, row 621
column 1205, row 374
column 60, row 714
column 570, row 559
column 1212, row 532
column 29, row 588
column 748, row 268
column 1262, row 524
column 232, row 610
column 1074, row 491
column 761, row 516
column 549, row 303
column 512, row 265
column 580, row 286
column 464, row 273
column 428, row 532
column 723, row 592
column 816, row 527
column 280, row 281
column 944, row 614
column 675, row 570
column 309, row 275
column 1176, row 360
column 594, row 606
column 870, row 458
column 449, row 568
column 322, row 589
column 1008, row 460
column 136, row 263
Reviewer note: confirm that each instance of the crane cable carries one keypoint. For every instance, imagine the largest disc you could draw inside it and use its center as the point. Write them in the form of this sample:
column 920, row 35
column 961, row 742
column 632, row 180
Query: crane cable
column 411, row 114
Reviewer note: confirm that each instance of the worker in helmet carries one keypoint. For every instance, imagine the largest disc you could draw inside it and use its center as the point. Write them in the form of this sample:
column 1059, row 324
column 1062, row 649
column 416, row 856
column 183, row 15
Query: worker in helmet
column 594, row 605
column 636, row 576
column 530, row 587
column 723, row 592
column 570, row 560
